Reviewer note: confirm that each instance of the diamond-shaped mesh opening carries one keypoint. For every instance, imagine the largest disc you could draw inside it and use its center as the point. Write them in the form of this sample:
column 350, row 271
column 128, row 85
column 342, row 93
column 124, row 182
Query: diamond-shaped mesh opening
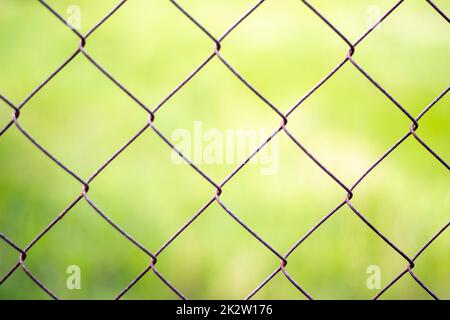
column 405, row 222
column 284, row 193
column 207, row 125
column 304, row 48
column 156, row 61
column 141, row 170
column 348, row 153
column 208, row 268
column 417, row 31
column 112, row 256
column 53, row 263
column 325, row 256
column 103, row 124
column 36, row 42
column 32, row 189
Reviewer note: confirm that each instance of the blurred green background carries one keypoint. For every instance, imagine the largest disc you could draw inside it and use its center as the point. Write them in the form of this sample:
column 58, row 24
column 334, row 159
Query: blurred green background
column 283, row 49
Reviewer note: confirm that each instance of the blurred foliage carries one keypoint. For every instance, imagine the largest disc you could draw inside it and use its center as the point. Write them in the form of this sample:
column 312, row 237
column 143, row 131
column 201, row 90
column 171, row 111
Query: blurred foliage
column 284, row 50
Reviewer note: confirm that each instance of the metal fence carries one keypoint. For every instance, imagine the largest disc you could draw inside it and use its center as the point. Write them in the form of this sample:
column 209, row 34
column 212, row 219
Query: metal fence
column 152, row 124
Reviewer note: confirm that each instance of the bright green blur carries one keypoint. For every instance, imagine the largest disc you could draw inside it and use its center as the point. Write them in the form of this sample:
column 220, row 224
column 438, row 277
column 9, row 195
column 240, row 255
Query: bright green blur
column 284, row 50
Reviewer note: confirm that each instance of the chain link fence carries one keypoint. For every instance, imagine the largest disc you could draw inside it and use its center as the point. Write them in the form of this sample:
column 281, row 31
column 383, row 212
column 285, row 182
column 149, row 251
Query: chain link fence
column 152, row 124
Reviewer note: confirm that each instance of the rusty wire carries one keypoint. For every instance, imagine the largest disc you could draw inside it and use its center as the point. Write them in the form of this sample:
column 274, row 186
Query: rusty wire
column 151, row 124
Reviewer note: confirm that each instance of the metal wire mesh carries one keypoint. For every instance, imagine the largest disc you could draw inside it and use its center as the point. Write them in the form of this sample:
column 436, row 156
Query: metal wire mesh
column 152, row 124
